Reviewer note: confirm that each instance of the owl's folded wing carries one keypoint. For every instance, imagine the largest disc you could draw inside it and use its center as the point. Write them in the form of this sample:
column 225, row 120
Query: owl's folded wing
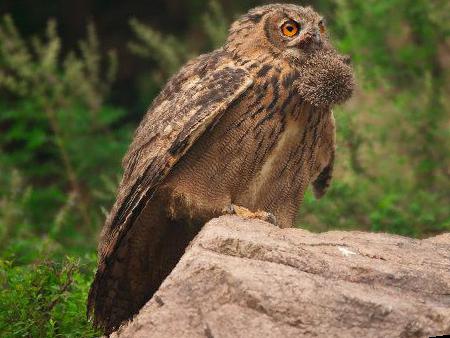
column 191, row 102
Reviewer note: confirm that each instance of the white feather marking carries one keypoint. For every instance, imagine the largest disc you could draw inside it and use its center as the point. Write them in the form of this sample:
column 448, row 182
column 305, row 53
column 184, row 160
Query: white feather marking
column 289, row 136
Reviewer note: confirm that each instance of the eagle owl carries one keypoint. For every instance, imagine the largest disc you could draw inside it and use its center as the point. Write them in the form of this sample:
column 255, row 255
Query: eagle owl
column 243, row 129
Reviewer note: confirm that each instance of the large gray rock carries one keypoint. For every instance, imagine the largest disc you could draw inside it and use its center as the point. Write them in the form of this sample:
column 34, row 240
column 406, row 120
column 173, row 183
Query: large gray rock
column 247, row 278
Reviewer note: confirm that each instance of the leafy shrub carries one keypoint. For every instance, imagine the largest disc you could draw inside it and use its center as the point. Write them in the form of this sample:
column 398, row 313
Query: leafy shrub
column 45, row 299
column 56, row 128
column 57, row 133
column 393, row 140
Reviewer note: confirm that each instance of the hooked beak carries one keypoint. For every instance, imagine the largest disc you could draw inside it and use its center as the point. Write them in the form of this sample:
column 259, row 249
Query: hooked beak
column 305, row 39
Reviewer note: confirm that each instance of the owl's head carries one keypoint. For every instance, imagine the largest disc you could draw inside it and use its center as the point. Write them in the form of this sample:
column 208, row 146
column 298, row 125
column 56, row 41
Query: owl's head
column 298, row 36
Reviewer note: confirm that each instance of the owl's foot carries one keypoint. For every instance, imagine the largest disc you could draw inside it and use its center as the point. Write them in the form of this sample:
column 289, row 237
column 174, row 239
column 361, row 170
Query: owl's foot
column 246, row 213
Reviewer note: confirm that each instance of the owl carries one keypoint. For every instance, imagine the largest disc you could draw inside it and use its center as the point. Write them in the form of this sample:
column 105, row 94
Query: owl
column 244, row 129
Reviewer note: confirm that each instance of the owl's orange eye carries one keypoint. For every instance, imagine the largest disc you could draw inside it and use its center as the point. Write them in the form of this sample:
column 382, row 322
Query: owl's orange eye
column 290, row 29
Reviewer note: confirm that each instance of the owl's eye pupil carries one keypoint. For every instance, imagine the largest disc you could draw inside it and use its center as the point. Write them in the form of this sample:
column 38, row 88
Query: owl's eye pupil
column 290, row 29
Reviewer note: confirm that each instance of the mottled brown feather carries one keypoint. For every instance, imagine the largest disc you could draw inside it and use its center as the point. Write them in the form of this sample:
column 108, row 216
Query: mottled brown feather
column 188, row 105
column 249, row 124
column 326, row 155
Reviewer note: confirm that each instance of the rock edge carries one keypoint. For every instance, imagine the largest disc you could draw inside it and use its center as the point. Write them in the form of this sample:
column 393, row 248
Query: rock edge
column 247, row 278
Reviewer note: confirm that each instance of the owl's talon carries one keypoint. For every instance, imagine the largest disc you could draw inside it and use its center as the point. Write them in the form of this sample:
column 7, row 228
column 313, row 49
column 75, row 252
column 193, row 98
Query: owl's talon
column 229, row 210
column 271, row 218
column 246, row 213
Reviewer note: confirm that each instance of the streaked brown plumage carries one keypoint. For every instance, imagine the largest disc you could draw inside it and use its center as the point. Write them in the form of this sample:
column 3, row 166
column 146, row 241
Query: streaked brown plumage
column 247, row 125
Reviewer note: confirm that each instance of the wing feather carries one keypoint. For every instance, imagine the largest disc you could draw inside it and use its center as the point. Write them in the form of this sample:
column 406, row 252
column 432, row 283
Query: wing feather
column 189, row 104
column 192, row 101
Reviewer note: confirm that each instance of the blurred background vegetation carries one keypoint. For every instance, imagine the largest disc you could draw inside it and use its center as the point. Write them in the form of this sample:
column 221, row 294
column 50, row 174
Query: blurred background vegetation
column 76, row 78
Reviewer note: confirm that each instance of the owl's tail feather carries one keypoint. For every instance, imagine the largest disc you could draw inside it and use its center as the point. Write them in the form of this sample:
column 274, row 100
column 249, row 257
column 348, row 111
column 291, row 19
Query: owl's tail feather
column 130, row 276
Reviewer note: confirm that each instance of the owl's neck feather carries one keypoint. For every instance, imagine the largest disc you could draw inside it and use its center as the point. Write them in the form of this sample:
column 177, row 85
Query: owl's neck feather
column 255, row 61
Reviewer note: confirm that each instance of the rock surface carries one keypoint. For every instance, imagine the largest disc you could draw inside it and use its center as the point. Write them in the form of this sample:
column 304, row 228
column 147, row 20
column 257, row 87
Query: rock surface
column 247, row 278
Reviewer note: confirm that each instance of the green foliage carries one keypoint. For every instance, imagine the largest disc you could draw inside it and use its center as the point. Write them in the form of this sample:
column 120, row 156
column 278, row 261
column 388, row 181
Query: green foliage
column 60, row 149
column 45, row 299
column 215, row 24
column 393, row 137
column 169, row 52
column 165, row 50
column 57, row 130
